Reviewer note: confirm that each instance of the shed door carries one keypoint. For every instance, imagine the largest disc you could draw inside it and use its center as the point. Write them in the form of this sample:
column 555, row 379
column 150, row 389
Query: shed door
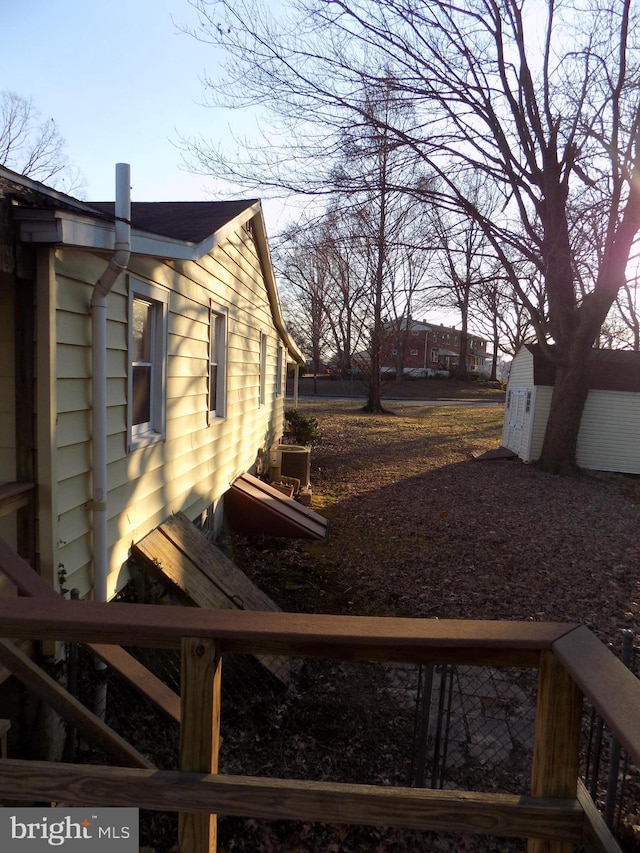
column 517, row 408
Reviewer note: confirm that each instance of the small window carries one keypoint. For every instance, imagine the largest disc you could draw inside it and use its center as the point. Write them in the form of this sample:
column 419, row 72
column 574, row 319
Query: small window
column 217, row 388
column 263, row 368
column 414, row 352
column 148, row 309
column 394, row 352
column 434, row 355
column 527, row 407
column 279, row 366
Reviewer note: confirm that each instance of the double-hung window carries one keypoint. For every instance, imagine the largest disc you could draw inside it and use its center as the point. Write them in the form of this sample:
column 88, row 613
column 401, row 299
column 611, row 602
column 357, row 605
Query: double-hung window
column 263, row 369
column 148, row 310
column 279, row 370
column 217, row 362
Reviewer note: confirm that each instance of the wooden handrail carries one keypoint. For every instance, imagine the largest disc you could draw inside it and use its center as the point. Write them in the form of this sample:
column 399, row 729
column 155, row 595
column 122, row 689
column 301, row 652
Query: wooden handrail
column 610, row 686
column 571, row 663
column 487, row 643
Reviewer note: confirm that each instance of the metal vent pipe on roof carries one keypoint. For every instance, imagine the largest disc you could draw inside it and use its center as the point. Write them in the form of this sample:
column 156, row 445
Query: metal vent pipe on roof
column 117, row 264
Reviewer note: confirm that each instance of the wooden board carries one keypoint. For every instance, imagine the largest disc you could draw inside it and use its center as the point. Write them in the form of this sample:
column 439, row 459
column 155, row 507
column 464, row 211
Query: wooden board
column 459, row 812
column 598, row 838
column 216, row 566
column 252, row 506
column 13, row 496
column 611, row 687
column 31, row 584
column 90, row 726
column 473, row 642
column 179, row 552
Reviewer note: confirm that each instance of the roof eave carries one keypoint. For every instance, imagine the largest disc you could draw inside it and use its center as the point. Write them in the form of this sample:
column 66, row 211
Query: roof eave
column 262, row 244
column 78, row 230
column 62, row 228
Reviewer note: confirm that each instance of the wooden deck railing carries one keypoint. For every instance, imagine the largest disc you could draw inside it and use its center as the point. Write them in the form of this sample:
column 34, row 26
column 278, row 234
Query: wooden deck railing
column 553, row 815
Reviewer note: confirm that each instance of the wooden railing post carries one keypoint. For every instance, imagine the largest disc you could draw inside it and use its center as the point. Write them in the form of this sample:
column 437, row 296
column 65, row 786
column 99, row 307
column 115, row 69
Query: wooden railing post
column 199, row 733
column 557, row 744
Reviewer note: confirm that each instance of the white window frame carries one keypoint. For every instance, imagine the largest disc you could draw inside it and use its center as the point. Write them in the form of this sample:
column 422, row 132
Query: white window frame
column 218, row 331
column 279, row 370
column 262, row 399
column 153, row 430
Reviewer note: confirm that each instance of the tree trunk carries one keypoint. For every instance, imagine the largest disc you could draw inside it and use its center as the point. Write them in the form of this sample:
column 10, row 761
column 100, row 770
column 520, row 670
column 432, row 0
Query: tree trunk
column 570, row 390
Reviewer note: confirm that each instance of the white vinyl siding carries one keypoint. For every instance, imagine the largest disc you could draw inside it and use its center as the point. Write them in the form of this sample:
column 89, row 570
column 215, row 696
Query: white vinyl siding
column 538, row 420
column 521, row 373
column 200, row 456
column 614, row 415
column 608, row 436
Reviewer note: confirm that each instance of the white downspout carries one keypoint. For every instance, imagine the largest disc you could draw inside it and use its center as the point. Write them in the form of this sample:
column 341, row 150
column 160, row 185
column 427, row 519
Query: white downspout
column 117, row 264
column 296, row 381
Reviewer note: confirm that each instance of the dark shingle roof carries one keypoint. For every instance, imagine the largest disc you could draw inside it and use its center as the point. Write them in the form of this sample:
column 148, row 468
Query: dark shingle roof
column 607, row 369
column 191, row 221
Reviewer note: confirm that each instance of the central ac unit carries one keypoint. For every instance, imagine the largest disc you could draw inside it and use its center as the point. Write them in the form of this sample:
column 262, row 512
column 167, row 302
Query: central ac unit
column 290, row 460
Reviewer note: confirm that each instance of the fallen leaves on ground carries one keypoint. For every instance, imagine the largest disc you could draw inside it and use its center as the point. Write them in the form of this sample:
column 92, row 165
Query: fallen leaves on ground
column 420, row 527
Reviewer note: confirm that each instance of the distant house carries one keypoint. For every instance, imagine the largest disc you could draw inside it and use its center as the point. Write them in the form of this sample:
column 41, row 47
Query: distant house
column 608, row 437
column 419, row 348
column 142, row 370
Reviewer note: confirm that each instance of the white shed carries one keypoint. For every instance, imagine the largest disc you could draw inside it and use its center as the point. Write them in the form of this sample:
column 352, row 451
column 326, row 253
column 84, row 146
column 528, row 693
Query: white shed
column 608, row 437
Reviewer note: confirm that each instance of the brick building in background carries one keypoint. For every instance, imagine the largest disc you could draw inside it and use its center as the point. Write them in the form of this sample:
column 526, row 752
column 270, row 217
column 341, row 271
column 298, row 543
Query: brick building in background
column 418, row 348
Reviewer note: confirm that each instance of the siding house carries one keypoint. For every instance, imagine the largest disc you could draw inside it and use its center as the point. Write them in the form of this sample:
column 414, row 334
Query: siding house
column 608, row 437
column 143, row 368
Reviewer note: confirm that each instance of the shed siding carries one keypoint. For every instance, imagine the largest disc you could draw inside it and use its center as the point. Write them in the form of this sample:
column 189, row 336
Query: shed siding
column 520, row 382
column 608, row 437
column 196, row 463
column 540, row 413
column 521, row 373
column 616, row 415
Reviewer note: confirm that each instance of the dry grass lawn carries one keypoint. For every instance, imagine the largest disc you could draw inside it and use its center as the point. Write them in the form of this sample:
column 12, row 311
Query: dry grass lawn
column 419, row 527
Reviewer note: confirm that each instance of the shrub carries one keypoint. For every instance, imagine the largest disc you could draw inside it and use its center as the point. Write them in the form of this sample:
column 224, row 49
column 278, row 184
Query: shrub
column 301, row 428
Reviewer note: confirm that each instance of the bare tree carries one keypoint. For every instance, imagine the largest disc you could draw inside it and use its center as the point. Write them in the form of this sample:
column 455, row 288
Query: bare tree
column 303, row 260
column 500, row 314
column 462, row 264
column 627, row 309
column 548, row 111
column 33, row 146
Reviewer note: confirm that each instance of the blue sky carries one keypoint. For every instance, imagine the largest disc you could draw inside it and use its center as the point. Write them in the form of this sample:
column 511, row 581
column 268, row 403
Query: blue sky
column 122, row 84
